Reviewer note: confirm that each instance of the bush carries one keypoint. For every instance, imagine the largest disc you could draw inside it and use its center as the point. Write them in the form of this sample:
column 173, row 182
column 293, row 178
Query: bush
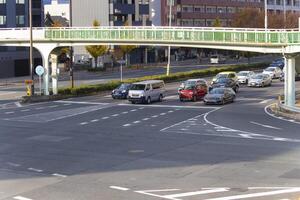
column 92, row 89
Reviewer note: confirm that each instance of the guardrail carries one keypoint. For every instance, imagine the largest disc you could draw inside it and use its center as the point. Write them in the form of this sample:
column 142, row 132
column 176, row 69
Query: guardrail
column 285, row 108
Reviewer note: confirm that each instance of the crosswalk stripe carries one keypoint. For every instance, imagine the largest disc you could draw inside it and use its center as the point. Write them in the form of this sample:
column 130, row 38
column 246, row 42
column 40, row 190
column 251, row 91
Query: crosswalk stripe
column 174, row 196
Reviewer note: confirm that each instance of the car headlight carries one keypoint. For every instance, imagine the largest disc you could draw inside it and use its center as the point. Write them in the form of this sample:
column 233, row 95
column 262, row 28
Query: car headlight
column 113, row 91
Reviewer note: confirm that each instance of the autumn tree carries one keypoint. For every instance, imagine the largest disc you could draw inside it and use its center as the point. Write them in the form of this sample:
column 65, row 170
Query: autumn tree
column 126, row 49
column 96, row 50
column 217, row 22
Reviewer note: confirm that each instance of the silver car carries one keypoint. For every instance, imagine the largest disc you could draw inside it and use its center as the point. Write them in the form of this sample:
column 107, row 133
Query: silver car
column 245, row 76
column 260, row 80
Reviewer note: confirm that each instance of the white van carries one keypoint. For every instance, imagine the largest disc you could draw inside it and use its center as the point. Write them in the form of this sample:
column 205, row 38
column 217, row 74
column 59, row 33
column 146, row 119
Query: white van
column 147, row 91
column 216, row 59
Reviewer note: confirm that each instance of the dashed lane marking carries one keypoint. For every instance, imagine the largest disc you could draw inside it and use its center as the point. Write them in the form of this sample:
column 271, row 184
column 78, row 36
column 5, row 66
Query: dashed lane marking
column 81, row 102
column 119, row 188
column 35, row 170
column 21, row 198
column 105, row 118
column 60, row 175
column 94, row 120
column 171, row 106
column 145, row 119
column 266, row 126
column 26, row 110
column 54, row 106
column 126, row 125
column 83, row 123
column 136, row 122
column 115, row 115
column 8, row 113
column 175, row 196
column 13, row 164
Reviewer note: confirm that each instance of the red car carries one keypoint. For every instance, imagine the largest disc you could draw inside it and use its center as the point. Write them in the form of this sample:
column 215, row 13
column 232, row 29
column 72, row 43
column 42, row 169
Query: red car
column 193, row 90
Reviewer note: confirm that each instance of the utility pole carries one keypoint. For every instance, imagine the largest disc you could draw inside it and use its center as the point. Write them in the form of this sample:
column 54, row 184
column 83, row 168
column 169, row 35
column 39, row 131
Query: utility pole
column 71, row 48
column 169, row 48
column 31, row 49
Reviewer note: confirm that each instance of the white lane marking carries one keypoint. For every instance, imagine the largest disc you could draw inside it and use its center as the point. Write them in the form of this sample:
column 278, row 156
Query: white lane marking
column 107, row 96
column 94, row 120
column 259, row 194
column 81, row 102
column 125, row 112
column 83, row 123
column 154, row 116
column 119, row 188
column 66, row 104
column 21, row 198
column 60, row 175
column 162, row 114
column 145, row 119
column 133, row 110
column 115, row 115
column 266, row 126
column 265, row 101
column 246, row 136
column 40, row 108
column 26, row 110
column 149, row 192
column 8, row 113
column 13, row 164
column 171, row 111
column 171, row 97
column 175, row 196
column 171, row 106
column 136, row 122
column 142, row 108
column 54, row 106
column 126, row 125
column 7, row 93
column 18, row 104
column 105, row 118
column 279, row 118
column 35, row 170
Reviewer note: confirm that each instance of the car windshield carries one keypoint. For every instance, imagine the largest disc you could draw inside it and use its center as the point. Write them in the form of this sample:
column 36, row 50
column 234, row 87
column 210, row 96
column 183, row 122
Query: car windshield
column 260, row 76
column 217, row 91
column 222, row 75
column 270, row 69
column 123, row 87
column 138, row 87
column 214, row 57
column 243, row 74
column 222, row 80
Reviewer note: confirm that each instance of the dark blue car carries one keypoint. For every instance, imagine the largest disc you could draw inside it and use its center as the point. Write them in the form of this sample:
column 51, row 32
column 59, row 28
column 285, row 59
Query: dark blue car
column 121, row 92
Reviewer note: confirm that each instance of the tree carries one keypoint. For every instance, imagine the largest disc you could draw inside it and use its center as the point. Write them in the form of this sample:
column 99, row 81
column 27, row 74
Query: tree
column 217, row 22
column 96, row 50
column 126, row 49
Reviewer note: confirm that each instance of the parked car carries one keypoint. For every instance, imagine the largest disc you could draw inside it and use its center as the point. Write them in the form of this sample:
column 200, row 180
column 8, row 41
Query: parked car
column 278, row 63
column 216, row 59
column 244, row 76
column 191, row 82
column 274, row 72
column 260, row 80
column 147, row 91
column 227, row 74
column 121, row 92
column 193, row 90
column 220, row 96
column 225, row 83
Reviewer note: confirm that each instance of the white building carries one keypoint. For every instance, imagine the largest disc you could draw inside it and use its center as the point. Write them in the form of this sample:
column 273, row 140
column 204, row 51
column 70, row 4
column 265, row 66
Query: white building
column 57, row 9
column 280, row 5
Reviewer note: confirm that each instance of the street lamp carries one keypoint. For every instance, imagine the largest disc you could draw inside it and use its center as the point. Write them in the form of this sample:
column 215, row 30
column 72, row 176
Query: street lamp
column 31, row 49
column 71, row 48
column 169, row 49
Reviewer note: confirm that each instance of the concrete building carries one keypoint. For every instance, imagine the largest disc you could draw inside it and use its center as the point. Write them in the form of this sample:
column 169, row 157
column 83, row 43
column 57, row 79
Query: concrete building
column 281, row 5
column 14, row 13
column 57, row 8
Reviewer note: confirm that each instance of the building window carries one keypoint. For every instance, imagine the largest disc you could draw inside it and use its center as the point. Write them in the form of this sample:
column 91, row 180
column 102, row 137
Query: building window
column 2, row 1
column 20, row 1
column 211, row 9
column 2, row 20
column 20, row 19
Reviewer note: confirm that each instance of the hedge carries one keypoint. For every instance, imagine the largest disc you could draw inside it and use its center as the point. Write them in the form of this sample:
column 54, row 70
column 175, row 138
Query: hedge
column 92, row 89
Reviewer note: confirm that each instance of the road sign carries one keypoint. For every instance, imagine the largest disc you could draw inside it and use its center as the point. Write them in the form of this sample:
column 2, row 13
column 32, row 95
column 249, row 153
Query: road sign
column 39, row 70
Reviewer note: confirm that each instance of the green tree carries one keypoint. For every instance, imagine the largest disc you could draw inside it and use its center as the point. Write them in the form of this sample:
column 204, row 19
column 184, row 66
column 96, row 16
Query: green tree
column 96, row 50
column 217, row 22
column 126, row 49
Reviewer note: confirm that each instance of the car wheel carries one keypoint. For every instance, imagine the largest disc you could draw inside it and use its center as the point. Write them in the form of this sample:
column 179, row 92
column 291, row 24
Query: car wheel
column 180, row 99
column 247, row 81
column 148, row 100
column 262, row 84
column 113, row 97
column 223, row 102
column 133, row 102
column 194, row 98
column 160, row 98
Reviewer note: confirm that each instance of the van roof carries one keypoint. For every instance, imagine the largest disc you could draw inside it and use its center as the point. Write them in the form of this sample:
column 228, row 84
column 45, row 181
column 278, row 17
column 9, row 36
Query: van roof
column 149, row 82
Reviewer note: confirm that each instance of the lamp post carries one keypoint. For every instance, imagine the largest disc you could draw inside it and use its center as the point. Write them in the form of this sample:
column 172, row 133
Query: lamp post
column 71, row 48
column 31, row 49
column 169, row 48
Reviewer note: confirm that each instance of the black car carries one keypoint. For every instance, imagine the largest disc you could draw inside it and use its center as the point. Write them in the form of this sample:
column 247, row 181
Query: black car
column 220, row 96
column 121, row 92
column 225, row 83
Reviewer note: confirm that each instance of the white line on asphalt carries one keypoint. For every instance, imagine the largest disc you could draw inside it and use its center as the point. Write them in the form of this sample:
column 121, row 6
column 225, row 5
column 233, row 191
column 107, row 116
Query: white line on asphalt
column 170, row 111
column 13, row 164
column 94, row 120
column 171, row 97
column 7, row 93
column 60, row 175
column 133, row 110
column 265, row 101
column 115, row 115
column 141, row 108
column 154, row 116
column 266, row 126
column 125, row 112
column 18, row 104
column 66, row 104
column 40, row 108
column 125, row 125
column 81, row 102
column 246, row 136
column 162, row 114
column 54, row 106
column 9, row 112
column 26, row 110
column 119, row 188
column 21, row 198
column 171, row 106
column 105, row 118
column 145, row 119
column 175, row 196
column 35, row 170
column 149, row 192
column 259, row 194
column 136, row 122
column 279, row 118
column 83, row 123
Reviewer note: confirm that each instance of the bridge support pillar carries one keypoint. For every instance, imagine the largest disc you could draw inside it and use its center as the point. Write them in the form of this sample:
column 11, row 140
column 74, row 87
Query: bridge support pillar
column 289, row 88
column 45, row 50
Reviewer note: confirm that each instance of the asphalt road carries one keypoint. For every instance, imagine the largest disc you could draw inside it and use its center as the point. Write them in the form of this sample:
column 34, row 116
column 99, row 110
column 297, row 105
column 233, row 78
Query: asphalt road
column 99, row 148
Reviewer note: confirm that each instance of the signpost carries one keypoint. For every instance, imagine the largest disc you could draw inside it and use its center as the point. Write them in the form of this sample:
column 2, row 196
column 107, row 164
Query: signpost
column 39, row 70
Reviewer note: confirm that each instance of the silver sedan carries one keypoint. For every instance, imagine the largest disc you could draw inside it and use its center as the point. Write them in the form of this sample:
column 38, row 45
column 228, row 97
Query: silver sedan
column 260, row 80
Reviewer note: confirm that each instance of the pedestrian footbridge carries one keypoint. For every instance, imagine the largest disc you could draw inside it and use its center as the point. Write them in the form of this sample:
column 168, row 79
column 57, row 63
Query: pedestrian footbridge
column 285, row 42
